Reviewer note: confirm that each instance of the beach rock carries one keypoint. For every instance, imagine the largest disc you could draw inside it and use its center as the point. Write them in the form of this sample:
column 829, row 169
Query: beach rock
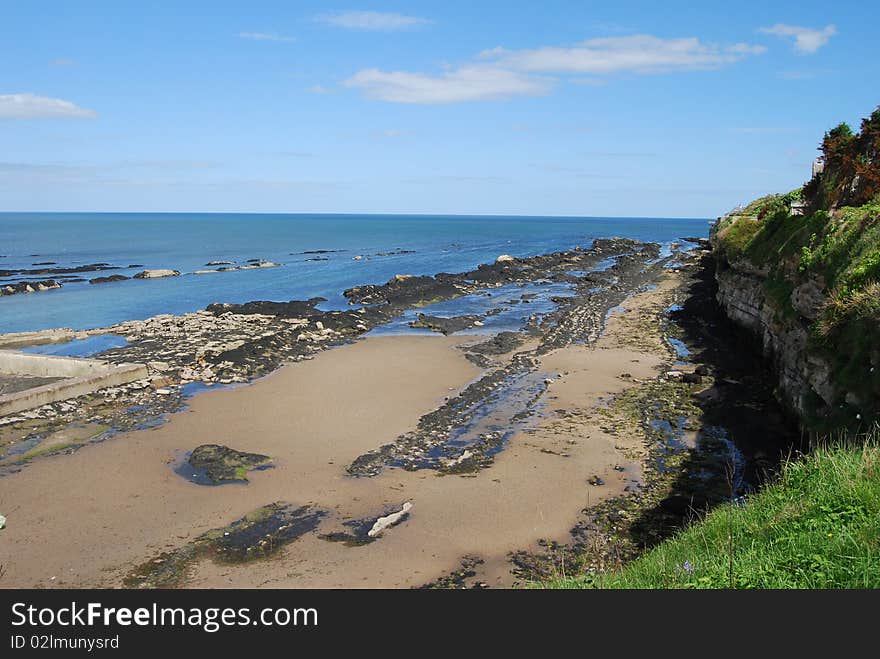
column 107, row 280
column 404, row 291
column 211, row 263
column 504, row 258
column 292, row 309
column 250, row 266
column 445, row 325
column 91, row 267
column 38, row 337
column 2, row 522
column 499, row 344
column 156, row 274
column 223, row 464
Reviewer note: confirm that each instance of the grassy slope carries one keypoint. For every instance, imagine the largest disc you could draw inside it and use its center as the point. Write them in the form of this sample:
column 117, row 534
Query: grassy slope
column 816, row 527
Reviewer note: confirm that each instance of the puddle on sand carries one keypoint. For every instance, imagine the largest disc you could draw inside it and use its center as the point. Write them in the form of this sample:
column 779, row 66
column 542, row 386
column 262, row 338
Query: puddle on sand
column 191, row 389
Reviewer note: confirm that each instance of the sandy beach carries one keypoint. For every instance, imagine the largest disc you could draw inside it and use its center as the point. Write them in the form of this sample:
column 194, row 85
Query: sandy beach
column 89, row 518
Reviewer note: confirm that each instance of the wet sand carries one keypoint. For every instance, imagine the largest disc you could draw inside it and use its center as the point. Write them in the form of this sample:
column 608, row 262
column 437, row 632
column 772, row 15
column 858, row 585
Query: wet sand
column 90, row 518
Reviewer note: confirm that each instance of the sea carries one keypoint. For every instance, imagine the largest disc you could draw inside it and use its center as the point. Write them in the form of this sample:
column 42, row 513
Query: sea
column 320, row 256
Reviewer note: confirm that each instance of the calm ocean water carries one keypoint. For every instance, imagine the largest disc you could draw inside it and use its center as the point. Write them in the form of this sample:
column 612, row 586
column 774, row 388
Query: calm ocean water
column 186, row 242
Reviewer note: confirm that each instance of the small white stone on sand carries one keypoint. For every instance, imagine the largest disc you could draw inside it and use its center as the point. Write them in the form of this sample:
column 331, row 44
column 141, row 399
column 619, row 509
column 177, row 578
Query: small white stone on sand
column 389, row 520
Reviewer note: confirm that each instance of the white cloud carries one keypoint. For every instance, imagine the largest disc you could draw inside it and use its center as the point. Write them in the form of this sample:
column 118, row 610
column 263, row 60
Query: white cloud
column 468, row 83
column 501, row 73
column 372, row 20
column 31, row 106
column 265, row 36
column 640, row 53
column 806, row 40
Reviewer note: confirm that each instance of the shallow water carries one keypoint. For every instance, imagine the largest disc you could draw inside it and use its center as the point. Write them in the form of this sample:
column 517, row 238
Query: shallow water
column 411, row 244
column 515, row 309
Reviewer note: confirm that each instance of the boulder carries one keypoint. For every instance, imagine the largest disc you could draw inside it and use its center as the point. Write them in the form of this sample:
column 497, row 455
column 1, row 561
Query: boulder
column 504, row 258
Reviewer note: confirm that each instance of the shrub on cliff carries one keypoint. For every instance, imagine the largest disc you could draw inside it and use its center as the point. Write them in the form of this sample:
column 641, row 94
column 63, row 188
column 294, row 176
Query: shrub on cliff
column 851, row 175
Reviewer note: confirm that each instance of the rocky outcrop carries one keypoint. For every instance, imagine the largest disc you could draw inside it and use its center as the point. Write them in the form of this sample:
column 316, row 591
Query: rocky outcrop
column 29, row 287
column 250, row 265
column 805, row 384
column 108, row 280
column 156, row 274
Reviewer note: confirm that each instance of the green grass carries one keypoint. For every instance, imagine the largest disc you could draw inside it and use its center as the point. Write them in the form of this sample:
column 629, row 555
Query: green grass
column 816, row 527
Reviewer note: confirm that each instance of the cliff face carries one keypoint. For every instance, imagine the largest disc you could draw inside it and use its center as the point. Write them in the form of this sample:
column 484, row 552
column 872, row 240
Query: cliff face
column 806, row 385
column 801, row 271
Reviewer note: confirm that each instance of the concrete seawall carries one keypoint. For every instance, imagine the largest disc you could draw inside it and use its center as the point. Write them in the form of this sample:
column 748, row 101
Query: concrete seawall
column 80, row 377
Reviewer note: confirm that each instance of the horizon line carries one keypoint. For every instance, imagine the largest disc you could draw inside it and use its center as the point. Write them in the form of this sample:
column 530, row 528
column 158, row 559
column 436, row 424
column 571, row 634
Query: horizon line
column 371, row 213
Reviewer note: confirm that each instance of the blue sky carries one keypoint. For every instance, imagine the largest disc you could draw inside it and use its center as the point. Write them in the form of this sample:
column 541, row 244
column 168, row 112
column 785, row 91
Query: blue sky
column 677, row 109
